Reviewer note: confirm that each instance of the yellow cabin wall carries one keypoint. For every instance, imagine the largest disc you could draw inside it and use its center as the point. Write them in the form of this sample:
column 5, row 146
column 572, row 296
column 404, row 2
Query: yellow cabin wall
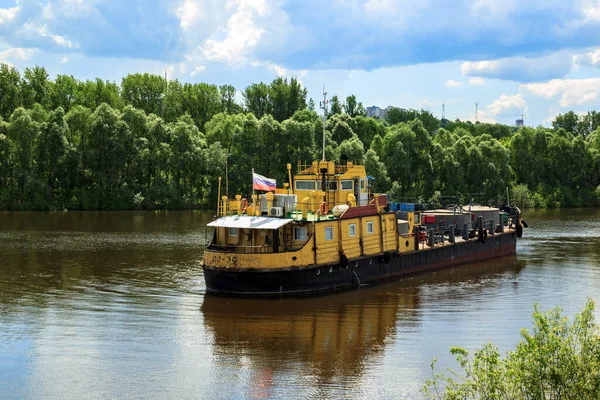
column 390, row 235
column 350, row 245
column 327, row 250
column 371, row 241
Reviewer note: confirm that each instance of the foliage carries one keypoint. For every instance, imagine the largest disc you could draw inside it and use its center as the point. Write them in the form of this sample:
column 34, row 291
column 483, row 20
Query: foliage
column 150, row 143
column 558, row 359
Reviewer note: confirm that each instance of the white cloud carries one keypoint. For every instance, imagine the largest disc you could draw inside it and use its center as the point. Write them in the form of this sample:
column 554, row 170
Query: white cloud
column 477, row 81
column 521, row 69
column 508, row 105
column 242, row 35
column 188, row 12
column 452, row 83
column 15, row 53
column 8, row 14
column 591, row 10
column 200, row 68
column 590, row 59
column 571, row 91
column 64, row 60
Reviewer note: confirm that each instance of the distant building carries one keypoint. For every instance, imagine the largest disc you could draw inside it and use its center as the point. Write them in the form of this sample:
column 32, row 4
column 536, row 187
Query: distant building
column 519, row 123
column 376, row 112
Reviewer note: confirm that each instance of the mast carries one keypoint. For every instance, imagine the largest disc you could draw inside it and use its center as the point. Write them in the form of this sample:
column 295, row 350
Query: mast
column 323, row 106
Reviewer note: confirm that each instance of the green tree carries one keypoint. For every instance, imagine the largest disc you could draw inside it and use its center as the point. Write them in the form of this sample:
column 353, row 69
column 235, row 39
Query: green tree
column 64, row 92
column 567, row 121
column 558, row 359
column 352, row 149
column 10, row 91
column 256, row 99
column 352, row 107
column 335, row 107
column 228, row 104
column 145, row 92
column 35, row 86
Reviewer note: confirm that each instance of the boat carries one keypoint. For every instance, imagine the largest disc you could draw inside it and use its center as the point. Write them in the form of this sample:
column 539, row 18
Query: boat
column 325, row 231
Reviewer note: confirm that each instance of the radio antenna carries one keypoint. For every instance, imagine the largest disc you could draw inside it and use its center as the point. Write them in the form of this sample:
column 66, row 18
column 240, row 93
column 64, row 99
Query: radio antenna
column 323, row 106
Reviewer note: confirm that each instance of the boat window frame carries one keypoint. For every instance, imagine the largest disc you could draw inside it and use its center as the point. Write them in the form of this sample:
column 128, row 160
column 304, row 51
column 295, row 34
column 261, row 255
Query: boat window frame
column 300, row 229
column 332, row 186
column 314, row 184
column 231, row 230
column 329, row 229
column 351, row 181
column 363, row 184
column 352, row 230
column 370, row 227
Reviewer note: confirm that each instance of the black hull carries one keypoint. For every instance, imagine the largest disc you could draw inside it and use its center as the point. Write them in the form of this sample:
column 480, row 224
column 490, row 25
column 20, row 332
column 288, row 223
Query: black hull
column 337, row 277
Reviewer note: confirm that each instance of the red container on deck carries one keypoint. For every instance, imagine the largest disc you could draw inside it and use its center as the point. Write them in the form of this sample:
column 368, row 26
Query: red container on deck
column 428, row 219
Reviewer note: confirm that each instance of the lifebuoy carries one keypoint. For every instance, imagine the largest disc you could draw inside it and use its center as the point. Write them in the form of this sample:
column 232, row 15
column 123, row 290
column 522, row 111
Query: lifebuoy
column 324, row 208
column 244, row 204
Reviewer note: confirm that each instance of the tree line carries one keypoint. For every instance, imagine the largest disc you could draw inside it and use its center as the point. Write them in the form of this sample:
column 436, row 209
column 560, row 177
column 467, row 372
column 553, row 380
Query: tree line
column 152, row 143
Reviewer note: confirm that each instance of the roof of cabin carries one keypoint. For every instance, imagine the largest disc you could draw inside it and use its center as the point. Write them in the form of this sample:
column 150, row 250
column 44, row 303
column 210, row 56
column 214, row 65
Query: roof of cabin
column 245, row 222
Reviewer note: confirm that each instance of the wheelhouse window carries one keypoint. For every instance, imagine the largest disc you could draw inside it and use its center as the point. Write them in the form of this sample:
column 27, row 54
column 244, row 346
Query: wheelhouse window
column 305, row 185
column 370, row 227
column 299, row 233
column 329, row 233
column 362, row 184
column 352, row 230
column 347, row 185
column 332, row 185
column 233, row 231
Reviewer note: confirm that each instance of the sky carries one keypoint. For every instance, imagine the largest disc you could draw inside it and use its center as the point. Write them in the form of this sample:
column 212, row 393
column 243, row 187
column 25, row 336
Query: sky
column 539, row 58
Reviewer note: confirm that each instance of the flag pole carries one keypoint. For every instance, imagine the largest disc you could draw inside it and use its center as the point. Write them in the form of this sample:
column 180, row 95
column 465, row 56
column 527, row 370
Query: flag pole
column 252, row 182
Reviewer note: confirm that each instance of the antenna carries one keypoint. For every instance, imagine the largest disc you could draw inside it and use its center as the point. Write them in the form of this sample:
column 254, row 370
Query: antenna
column 476, row 112
column 323, row 106
column 443, row 111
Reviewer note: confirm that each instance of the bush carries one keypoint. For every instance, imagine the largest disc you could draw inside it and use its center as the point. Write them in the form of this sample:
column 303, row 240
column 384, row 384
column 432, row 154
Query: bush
column 557, row 360
column 522, row 197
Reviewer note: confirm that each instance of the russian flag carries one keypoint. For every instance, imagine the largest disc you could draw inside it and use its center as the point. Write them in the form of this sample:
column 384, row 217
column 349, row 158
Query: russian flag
column 259, row 182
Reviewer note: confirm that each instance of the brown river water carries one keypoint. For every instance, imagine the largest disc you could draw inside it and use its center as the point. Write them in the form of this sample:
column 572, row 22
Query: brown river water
column 112, row 305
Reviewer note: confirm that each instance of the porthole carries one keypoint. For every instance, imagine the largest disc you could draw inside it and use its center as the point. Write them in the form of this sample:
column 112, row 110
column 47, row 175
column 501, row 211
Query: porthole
column 330, row 269
column 295, row 258
column 407, row 243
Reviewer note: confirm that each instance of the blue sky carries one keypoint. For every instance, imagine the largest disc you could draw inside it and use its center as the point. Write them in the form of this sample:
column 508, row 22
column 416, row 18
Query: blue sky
column 540, row 58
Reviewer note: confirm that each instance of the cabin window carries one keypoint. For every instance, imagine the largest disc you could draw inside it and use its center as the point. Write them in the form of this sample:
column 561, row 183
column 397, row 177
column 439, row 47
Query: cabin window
column 299, row 233
column 347, row 185
column 305, row 185
column 363, row 183
column 332, row 185
column 370, row 227
column 233, row 231
column 329, row 233
column 352, row 230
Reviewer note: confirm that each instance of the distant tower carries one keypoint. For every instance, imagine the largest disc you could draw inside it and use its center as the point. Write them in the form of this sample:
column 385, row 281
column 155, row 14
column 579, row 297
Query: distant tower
column 165, row 75
column 443, row 111
column 476, row 112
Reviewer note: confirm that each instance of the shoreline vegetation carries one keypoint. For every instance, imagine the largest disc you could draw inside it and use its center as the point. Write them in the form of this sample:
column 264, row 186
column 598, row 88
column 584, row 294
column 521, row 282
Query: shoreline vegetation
column 558, row 359
column 152, row 144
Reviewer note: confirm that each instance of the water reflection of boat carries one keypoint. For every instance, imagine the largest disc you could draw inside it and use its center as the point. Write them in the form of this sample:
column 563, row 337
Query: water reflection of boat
column 337, row 335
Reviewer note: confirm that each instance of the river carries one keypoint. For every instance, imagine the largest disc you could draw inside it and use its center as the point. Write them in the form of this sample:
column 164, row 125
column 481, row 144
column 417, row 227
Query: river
column 112, row 305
